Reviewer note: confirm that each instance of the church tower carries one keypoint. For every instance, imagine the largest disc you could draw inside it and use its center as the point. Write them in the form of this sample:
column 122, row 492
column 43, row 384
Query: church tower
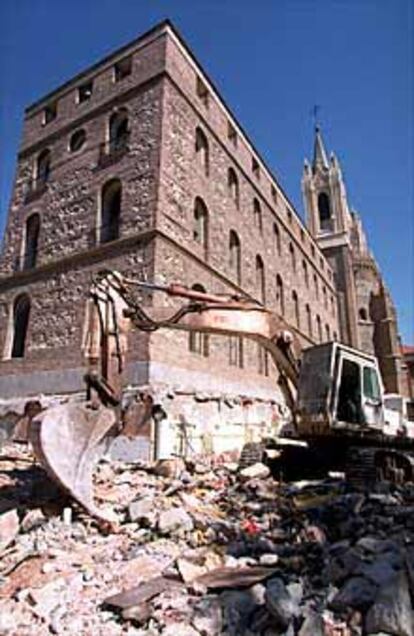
column 330, row 221
column 367, row 315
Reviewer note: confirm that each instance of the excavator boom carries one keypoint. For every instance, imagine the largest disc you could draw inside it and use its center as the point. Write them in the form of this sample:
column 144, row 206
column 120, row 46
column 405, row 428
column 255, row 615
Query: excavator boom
column 68, row 440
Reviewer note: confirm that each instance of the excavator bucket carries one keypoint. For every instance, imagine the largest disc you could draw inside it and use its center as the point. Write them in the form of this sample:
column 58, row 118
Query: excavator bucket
column 68, row 440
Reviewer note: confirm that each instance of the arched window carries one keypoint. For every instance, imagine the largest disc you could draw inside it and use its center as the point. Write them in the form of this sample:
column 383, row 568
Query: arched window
column 316, row 284
column 257, row 214
column 235, row 256
column 77, row 140
column 292, row 257
column 309, row 320
column 305, row 273
column 43, row 166
column 233, row 186
column 324, row 207
column 31, row 241
column 260, row 279
column 327, row 333
column 110, row 210
column 200, row 225
column 118, row 130
column 201, row 150
column 363, row 314
column 325, row 298
column 276, row 238
column 21, row 311
column 236, row 351
column 280, row 296
column 335, row 336
column 319, row 328
column 198, row 341
column 296, row 308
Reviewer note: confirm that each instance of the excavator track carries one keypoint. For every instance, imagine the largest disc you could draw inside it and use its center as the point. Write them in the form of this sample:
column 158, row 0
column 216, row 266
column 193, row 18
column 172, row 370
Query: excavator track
column 366, row 466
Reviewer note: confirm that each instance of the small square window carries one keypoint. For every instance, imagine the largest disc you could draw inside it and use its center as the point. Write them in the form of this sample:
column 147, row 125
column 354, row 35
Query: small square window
column 202, row 91
column 232, row 134
column 123, row 68
column 273, row 192
column 255, row 168
column 85, row 92
column 49, row 113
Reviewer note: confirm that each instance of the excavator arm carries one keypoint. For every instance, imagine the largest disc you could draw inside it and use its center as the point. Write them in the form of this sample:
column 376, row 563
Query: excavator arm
column 68, row 439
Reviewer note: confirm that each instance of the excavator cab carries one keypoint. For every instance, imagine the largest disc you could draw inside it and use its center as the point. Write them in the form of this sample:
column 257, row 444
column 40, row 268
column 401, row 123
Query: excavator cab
column 339, row 389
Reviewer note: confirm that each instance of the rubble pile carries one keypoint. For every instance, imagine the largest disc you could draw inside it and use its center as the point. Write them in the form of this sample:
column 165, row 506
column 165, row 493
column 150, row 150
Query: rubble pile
column 203, row 550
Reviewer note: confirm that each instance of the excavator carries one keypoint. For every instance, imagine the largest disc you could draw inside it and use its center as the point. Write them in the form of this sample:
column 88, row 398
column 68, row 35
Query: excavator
column 335, row 392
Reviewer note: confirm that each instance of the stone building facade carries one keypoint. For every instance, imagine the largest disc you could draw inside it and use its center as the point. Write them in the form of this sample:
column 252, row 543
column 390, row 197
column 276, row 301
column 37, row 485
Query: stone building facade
column 137, row 164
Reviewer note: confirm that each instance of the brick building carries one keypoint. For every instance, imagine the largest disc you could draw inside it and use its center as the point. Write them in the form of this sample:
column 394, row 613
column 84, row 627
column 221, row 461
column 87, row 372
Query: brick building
column 137, row 164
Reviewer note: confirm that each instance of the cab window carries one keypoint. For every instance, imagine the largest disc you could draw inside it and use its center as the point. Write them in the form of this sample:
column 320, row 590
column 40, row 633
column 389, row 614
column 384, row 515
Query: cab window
column 371, row 384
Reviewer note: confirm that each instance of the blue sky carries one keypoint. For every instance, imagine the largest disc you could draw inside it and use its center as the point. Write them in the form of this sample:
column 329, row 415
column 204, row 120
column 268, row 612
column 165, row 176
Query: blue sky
column 272, row 60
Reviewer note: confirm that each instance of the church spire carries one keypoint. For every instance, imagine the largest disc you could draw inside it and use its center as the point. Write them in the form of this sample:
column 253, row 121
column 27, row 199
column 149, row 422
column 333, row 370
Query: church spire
column 319, row 153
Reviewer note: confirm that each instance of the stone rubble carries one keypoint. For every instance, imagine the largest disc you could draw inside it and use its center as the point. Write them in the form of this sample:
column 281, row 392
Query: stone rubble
column 203, row 550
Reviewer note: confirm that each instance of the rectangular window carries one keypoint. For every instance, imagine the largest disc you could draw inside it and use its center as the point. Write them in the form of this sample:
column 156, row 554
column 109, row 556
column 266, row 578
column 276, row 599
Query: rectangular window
column 85, row 92
column 123, row 68
column 371, row 384
column 273, row 192
column 49, row 113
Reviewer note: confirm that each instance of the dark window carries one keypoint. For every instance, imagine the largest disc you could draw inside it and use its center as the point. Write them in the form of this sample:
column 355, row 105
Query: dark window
column 31, row 242
column 202, row 91
column 260, row 279
column 305, row 273
column 255, row 168
column 292, row 257
column 21, row 311
column 289, row 215
column 43, row 166
column 349, row 398
column 200, row 226
column 296, row 308
column 77, row 140
column 49, row 113
column 313, row 251
column 202, row 150
column 363, row 314
column 257, row 214
column 309, row 320
column 327, row 333
column 198, row 341
column 233, row 186
column 111, row 210
column 118, row 130
column 273, row 193
column 319, row 328
column 85, row 92
column 232, row 134
column 316, row 284
column 280, row 297
column 235, row 256
column 123, row 68
column 324, row 207
column 276, row 238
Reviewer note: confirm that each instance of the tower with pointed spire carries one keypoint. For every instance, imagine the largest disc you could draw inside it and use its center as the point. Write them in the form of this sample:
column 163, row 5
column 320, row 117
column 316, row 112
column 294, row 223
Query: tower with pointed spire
column 366, row 312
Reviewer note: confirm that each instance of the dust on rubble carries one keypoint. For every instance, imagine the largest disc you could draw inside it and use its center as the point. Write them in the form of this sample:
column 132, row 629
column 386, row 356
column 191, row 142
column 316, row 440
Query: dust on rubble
column 203, row 549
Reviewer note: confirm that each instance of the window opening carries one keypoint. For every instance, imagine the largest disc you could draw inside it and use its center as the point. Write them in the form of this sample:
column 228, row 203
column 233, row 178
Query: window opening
column 235, row 256
column 198, row 342
column 49, row 113
column 200, row 227
column 85, row 92
column 111, row 211
column 233, row 186
column 280, row 298
column 77, row 140
column 21, row 312
column 123, row 68
column 324, row 207
column 202, row 91
column 257, row 213
column 31, row 242
column 349, row 397
column 202, row 150
column 43, row 166
column 260, row 279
